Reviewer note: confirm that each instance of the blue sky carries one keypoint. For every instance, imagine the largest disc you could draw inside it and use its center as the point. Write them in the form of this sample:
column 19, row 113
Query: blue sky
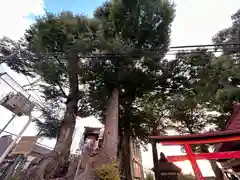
column 77, row 6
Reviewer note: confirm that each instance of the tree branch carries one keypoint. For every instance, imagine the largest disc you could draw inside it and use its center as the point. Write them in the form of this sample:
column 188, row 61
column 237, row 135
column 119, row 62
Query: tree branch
column 31, row 84
column 61, row 89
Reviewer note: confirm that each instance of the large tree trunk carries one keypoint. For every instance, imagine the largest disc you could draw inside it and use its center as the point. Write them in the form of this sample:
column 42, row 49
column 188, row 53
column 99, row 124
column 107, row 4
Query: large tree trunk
column 217, row 171
column 127, row 158
column 110, row 142
column 155, row 160
column 51, row 164
column 120, row 154
column 155, row 152
column 108, row 152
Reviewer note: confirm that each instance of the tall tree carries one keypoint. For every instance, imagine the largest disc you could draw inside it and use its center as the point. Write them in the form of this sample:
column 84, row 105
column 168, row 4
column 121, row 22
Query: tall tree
column 229, row 63
column 154, row 108
column 55, row 43
column 128, row 29
column 189, row 117
column 192, row 109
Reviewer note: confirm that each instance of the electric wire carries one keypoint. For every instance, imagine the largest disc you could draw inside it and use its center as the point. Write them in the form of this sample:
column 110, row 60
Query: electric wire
column 114, row 55
column 147, row 51
column 160, row 50
column 34, row 90
column 38, row 103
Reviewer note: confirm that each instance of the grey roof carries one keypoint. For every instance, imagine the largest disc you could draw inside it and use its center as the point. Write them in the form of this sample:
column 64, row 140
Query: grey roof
column 91, row 130
column 5, row 141
column 40, row 149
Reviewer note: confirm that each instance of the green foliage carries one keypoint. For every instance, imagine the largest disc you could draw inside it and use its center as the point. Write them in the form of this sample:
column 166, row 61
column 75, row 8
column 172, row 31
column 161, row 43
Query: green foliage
column 229, row 64
column 149, row 176
column 53, row 41
column 108, row 172
column 14, row 54
column 186, row 177
column 127, row 29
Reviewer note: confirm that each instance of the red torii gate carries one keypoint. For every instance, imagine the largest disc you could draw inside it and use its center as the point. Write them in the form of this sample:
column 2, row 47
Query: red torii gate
column 204, row 138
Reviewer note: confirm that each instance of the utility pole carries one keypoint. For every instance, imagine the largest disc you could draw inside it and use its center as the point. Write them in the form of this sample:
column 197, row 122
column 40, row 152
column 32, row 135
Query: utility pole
column 6, row 125
column 15, row 140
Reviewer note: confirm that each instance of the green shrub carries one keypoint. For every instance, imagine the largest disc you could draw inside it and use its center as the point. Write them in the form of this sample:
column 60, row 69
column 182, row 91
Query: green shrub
column 108, row 172
column 149, row 176
column 186, row 177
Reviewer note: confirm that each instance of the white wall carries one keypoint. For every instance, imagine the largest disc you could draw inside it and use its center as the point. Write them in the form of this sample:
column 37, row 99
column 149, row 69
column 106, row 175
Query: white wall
column 28, row 161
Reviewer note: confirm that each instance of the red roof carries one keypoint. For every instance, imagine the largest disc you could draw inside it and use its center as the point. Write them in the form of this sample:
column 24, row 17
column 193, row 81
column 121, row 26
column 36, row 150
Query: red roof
column 233, row 123
column 232, row 129
column 203, row 138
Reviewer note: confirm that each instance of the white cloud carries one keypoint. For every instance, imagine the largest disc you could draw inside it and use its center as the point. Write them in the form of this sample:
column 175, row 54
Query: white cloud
column 14, row 16
column 197, row 21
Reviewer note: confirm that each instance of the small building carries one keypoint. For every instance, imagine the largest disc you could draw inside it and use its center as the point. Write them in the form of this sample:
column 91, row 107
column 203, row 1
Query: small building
column 36, row 152
column 23, row 153
column 96, row 136
column 167, row 170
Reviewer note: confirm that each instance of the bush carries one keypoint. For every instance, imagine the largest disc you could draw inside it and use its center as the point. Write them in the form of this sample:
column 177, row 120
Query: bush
column 108, row 172
column 149, row 176
column 186, row 177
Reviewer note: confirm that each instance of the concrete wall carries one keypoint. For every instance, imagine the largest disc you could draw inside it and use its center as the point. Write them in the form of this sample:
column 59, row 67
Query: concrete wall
column 28, row 161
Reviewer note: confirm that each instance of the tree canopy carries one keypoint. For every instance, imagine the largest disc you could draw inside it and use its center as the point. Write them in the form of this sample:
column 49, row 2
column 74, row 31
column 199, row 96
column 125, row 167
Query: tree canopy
column 81, row 61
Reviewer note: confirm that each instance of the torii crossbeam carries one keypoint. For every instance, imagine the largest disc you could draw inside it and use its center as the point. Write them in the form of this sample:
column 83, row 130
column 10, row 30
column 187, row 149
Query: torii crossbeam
column 204, row 138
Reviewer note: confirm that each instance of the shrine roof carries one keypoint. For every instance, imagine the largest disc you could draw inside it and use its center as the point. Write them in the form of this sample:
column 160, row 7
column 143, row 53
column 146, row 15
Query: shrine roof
column 234, row 120
column 202, row 138
column 167, row 167
column 232, row 129
column 233, row 124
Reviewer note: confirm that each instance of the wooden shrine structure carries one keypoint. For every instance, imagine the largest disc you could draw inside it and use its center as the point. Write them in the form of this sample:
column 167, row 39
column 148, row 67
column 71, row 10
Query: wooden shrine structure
column 227, row 143
column 167, row 170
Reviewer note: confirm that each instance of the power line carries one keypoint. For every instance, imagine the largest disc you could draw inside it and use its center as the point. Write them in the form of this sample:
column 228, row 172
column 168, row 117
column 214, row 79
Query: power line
column 130, row 55
column 143, row 51
column 204, row 45
column 140, row 53
column 37, row 102
column 33, row 89
column 160, row 50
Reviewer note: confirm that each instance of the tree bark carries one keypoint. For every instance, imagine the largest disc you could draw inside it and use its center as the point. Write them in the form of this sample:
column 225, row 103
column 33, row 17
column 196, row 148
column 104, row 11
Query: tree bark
column 217, row 171
column 155, row 160
column 110, row 142
column 51, row 164
column 120, row 154
column 155, row 152
column 127, row 158
column 108, row 152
